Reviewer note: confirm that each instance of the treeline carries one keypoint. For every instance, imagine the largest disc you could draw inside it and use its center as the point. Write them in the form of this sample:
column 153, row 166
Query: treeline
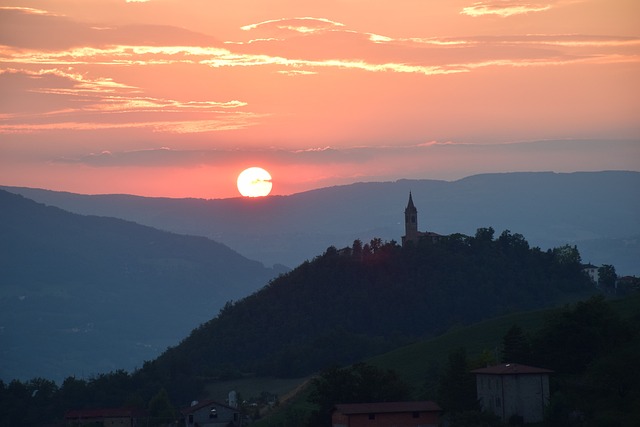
column 590, row 347
column 40, row 401
column 351, row 303
column 592, row 351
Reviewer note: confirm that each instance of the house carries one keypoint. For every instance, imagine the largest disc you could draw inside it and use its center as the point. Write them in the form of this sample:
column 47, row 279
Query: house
column 386, row 414
column 210, row 413
column 411, row 226
column 511, row 389
column 591, row 271
column 107, row 417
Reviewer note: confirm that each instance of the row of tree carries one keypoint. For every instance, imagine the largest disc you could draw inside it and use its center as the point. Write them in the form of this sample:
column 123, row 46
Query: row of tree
column 594, row 383
column 593, row 353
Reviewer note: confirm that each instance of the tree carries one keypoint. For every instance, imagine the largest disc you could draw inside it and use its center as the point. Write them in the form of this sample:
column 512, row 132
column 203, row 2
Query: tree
column 457, row 388
column 357, row 248
column 607, row 277
column 567, row 254
column 573, row 338
column 356, row 384
column 161, row 411
column 515, row 346
column 485, row 234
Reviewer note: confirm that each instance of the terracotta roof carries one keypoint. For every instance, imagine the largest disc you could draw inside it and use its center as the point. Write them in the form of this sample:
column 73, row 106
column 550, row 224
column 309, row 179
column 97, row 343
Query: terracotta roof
column 104, row 413
column 204, row 403
column 387, row 407
column 511, row 369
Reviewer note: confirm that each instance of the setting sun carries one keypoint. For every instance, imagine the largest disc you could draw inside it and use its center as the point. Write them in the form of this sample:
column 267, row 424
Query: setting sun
column 254, row 182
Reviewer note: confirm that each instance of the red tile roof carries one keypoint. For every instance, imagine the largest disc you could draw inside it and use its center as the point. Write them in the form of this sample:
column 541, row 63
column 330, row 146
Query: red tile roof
column 387, row 407
column 511, row 369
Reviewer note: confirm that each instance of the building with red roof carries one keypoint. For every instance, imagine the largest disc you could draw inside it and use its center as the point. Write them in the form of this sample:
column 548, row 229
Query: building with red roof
column 386, row 414
column 107, row 417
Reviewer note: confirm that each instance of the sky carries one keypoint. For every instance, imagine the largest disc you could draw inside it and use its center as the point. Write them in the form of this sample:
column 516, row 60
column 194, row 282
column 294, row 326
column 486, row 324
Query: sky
column 174, row 98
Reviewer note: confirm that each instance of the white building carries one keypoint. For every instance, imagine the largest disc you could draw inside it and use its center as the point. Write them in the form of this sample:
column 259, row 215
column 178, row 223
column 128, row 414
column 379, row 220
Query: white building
column 510, row 389
column 591, row 271
column 210, row 413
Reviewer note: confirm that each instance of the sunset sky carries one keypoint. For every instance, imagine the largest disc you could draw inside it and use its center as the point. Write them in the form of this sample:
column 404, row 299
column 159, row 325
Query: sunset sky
column 176, row 97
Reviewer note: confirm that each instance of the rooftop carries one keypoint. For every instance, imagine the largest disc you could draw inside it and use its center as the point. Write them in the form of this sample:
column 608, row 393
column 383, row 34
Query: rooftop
column 388, row 407
column 104, row 413
column 195, row 406
column 511, row 369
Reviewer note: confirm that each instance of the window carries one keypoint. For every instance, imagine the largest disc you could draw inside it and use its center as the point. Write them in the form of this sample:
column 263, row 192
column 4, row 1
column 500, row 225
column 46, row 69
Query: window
column 213, row 413
column 372, row 416
column 416, row 414
column 190, row 418
column 498, row 402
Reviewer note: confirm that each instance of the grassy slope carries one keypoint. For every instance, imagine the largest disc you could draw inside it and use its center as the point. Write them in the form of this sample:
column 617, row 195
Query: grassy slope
column 414, row 361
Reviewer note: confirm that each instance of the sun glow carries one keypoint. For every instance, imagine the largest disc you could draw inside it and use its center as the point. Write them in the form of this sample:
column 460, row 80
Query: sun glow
column 254, row 182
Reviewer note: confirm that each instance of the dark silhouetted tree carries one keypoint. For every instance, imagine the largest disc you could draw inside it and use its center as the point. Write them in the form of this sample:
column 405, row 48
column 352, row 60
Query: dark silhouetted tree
column 457, row 389
column 356, row 384
column 515, row 346
column 161, row 411
column 607, row 277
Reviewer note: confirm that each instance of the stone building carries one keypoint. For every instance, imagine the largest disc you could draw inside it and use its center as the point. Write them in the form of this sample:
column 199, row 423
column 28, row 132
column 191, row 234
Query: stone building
column 511, row 389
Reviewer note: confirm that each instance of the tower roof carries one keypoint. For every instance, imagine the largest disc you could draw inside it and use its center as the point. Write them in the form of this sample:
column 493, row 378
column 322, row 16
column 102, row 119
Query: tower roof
column 410, row 205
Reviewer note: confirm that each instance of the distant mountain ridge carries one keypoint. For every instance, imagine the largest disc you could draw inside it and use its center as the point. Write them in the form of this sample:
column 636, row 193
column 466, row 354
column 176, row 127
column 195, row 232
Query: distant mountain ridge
column 84, row 294
column 599, row 211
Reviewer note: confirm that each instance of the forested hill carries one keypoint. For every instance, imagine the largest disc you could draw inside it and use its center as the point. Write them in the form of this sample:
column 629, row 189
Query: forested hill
column 347, row 304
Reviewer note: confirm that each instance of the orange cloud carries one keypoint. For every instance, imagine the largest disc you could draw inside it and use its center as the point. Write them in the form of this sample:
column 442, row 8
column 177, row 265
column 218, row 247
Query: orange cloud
column 504, row 8
column 105, row 104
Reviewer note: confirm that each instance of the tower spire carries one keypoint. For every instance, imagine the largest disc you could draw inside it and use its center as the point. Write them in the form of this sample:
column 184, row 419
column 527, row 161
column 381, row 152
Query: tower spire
column 410, row 221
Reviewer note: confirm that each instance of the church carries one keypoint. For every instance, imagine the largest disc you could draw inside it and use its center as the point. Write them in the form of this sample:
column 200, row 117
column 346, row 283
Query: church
column 411, row 226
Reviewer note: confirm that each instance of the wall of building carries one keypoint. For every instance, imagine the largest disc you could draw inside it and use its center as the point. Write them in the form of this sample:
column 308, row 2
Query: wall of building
column 202, row 417
column 403, row 419
column 507, row 395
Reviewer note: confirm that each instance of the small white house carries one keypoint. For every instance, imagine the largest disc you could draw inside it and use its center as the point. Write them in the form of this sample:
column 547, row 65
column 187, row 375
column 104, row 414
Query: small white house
column 511, row 389
column 591, row 271
column 210, row 413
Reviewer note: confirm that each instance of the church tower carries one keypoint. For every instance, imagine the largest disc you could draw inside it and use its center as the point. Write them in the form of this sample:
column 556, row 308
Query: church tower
column 410, row 222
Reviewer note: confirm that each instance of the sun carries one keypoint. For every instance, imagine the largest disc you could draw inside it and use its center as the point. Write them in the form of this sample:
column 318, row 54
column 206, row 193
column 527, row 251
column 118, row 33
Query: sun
column 254, row 182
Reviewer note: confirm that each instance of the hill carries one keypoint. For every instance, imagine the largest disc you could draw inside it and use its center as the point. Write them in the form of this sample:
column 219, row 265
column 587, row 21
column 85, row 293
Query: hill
column 416, row 362
column 421, row 364
column 346, row 305
column 599, row 211
column 80, row 295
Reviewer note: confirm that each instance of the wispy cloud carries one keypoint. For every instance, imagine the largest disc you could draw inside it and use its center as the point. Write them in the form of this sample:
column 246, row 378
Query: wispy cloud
column 304, row 25
column 504, row 8
column 367, row 163
column 307, row 46
column 102, row 103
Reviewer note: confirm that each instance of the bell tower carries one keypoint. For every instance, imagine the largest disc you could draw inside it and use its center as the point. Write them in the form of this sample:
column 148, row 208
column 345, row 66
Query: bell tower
column 410, row 222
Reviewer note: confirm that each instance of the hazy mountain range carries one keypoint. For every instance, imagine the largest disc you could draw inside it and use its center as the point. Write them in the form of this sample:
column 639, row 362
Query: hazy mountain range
column 81, row 295
column 87, row 294
column 598, row 211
